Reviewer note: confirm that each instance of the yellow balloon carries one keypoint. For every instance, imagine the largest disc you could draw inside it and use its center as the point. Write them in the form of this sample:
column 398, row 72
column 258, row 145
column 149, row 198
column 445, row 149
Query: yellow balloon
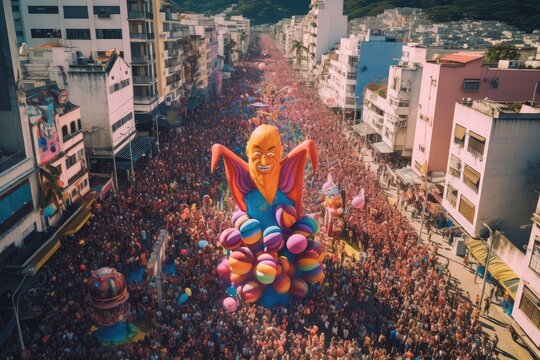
column 188, row 291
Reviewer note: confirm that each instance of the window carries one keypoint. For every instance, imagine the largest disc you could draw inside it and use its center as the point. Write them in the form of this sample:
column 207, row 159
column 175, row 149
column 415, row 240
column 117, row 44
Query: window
column 471, row 84
column 79, row 125
column 459, row 135
column 471, row 178
column 455, row 166
column 422, row 148
column 72, row 127
column 494, row 83
column 65, row 132
column 78, row 34
column 70, row 161
column 117, row 125
column 466, row 208
column 418, row 166
column 118, row 86
column 530, row 306
column 403, row 103
column 109, row 33
column 451, row 195
column 44, row 33
column 43, row 9
column 476, row 144
column 75, row 12
column 106, row 10
column 535, row 257
column 353, row 61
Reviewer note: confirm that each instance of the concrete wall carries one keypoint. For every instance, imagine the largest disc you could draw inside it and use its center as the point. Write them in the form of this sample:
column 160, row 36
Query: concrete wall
column 331, row 26
column 509, row 181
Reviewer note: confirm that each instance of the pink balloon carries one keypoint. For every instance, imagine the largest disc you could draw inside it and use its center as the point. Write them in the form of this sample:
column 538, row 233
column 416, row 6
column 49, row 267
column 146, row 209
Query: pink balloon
column 297, row 243
column 358, row 201
column 262, row 66
column 340, row 211
column 230, row 304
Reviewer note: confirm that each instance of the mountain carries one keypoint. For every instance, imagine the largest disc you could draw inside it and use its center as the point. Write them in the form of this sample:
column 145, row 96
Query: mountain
column 524, row 14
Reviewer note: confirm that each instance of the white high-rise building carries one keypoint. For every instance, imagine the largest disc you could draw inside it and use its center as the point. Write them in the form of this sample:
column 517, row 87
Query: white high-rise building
column 323, row 27
column 93, row 27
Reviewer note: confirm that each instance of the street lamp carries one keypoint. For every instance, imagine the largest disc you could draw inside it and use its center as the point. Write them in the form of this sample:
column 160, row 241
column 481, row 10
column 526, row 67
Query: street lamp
column 423, row 213
column 490, row 243
column 15, row 301
column 130, row 153
column 157, row 130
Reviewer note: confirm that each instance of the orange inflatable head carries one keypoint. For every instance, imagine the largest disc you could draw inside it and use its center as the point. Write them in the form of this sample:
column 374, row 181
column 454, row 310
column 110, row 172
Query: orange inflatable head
column 264, row 153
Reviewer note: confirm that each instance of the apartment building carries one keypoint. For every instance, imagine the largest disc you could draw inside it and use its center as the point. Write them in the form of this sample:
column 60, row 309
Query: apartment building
column 391, row 109
column 19, row 192
column 448, row 79
column 93, row 27
column 322, row 28
column 490, row 174
column 104, row 91
column 526, row 310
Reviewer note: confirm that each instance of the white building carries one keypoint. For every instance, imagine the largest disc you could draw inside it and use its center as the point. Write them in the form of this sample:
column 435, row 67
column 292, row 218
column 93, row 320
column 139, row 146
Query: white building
column 340, row 84
column 392, row 110
column 323, row 27
column 49, row 108
column 526, row 310
column 105, row 94
column 491, row 168
column 93, row 27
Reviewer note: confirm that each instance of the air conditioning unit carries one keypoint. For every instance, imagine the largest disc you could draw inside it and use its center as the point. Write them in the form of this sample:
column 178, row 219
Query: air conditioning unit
column 104, row 16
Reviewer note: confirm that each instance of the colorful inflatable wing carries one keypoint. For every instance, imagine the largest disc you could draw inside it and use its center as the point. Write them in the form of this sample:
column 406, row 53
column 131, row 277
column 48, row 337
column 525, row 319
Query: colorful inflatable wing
column 236, row 171
column 291, row 179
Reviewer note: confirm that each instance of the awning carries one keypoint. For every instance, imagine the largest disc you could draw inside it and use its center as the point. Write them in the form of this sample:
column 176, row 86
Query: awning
column 471, row 174
column 477, row 137
column 364, row 129
column 77, row 222
column 46, row 253
column 408, row 176
column 497, row 268
column 382, row 148
column 138, row 147
column 459, row 132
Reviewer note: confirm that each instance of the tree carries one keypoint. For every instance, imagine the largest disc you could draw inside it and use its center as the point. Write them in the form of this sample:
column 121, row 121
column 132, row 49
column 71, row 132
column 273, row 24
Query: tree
column 50, row 187
column 298, row 48
column 501, row 52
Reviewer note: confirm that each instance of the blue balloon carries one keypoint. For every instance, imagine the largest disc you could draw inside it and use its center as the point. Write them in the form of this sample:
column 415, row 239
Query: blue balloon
column 203, row 244
column 268, row 298
column 250, row 99
column 231, row 291
column 183, row 298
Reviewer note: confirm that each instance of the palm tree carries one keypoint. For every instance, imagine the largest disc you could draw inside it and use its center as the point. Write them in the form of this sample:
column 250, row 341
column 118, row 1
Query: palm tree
column 50, row 187
column 298, row 48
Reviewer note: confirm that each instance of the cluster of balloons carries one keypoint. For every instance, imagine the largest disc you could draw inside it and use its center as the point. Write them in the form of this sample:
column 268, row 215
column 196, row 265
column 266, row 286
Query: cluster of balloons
column 332, row 201
column 359, row 200
column 266, row 266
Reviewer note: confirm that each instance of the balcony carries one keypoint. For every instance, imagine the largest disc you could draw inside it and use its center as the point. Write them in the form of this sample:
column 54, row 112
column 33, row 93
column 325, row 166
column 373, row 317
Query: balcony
column 136, row 37
column 143, row 80
column 140, row 15
column 9, row 159
column 141, row 59
column 144, row 100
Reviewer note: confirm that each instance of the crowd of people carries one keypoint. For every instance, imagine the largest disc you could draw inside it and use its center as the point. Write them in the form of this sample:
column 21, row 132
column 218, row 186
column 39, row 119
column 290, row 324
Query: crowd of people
column 393, row 299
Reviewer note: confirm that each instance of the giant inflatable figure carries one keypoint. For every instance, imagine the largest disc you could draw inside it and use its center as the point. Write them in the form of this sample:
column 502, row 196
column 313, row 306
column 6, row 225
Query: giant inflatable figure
column 272, row 253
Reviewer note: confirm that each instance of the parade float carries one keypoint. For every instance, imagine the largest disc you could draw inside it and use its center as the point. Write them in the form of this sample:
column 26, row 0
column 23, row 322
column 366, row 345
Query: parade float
column 108, row 295
column 271, row 249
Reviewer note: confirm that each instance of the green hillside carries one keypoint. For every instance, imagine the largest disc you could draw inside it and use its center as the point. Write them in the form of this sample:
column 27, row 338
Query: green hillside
column 523, row 14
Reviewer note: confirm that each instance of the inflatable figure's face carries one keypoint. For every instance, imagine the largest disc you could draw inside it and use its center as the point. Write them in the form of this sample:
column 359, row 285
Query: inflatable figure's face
column 264, row 154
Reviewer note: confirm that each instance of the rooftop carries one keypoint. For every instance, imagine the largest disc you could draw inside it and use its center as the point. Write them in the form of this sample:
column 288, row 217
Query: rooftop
column 462, row 57
column 505, row 110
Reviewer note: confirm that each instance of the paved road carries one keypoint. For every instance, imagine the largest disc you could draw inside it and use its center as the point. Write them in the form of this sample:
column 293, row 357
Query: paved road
column 495, row 321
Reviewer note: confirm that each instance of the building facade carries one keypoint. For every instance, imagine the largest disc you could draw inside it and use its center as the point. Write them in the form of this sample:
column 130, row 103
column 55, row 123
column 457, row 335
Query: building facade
column 526, row 310
column 448, row 79
column 392, row 109
column 490, row 175
column 93, row 27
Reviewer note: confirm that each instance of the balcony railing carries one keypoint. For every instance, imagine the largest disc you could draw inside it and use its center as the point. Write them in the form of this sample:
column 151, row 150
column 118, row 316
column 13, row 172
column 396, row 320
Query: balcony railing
column 145, row 100
column 136, row 15
column 140, row 59
column 9, row 160
column 141, row 36
column 143, row 79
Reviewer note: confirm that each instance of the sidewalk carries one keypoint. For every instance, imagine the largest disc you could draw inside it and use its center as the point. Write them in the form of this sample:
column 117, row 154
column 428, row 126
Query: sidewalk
column 495, row 321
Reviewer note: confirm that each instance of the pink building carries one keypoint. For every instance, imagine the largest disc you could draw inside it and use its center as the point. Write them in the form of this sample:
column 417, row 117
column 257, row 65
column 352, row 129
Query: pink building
column 449, row 79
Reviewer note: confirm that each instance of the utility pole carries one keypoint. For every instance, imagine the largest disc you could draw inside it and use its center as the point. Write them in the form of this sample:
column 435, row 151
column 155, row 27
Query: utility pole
column 486, row 271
